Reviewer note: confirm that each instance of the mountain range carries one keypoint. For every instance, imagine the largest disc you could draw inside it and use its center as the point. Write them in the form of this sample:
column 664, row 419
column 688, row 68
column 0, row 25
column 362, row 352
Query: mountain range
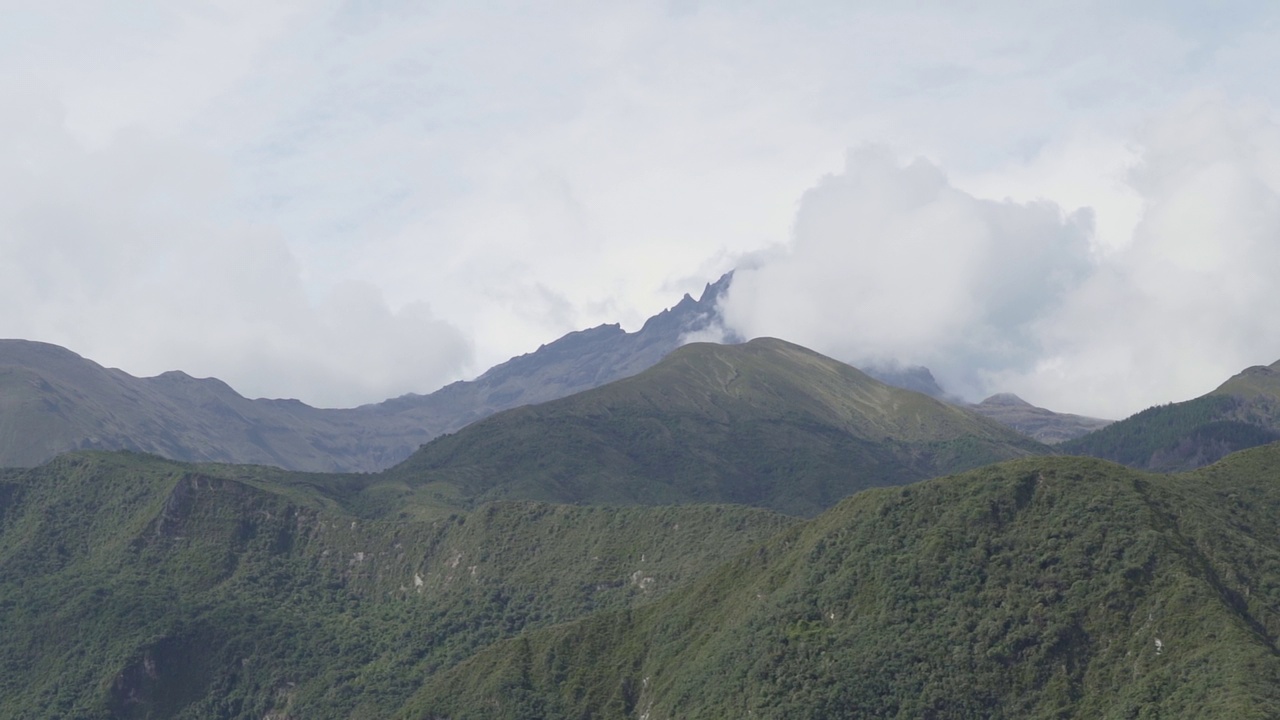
column 744, row 530
column 53, row 401
column 764, row 423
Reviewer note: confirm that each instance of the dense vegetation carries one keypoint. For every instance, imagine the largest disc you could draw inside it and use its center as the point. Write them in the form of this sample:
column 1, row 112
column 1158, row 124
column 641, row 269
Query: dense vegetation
column 1185, row 435
column 133, row 587
column 766, row 423
column 139, row 588
column 1045, row 588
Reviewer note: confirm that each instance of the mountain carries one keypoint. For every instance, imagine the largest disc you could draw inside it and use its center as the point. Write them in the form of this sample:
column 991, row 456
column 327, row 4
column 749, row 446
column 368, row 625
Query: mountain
column 1047, row 426
column 1041, row 588
column 764, row 423
column 135, row 587
column 1044, row 425
column 914, row 377
column 1241, row 413
column 1046, row 587
column 1258, row 383
column 53, row 401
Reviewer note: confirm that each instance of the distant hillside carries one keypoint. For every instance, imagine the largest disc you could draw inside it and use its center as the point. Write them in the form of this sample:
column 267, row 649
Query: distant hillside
column 765, row 423
column 917, row 378
column 53, row 401
column 1243, row 412
column 1047, row 426
column 132, row 587
column 1044, row 425
column 1040, row 588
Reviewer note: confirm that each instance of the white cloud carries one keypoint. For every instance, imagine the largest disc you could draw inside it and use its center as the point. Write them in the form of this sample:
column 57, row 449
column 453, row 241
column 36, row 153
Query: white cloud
column 1190, row 301
column 890, row 262
column 123, row 254
column 526, row 170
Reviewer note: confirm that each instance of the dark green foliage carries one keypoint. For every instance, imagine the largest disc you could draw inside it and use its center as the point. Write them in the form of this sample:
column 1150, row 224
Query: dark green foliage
column 1243, row 412
column 139, row 588
column 1031, row 589
column 1046, row 588
column 1179, row 436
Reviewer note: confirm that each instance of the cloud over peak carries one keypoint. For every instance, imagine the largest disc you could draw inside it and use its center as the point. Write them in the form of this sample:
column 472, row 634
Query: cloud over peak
column 889, row 261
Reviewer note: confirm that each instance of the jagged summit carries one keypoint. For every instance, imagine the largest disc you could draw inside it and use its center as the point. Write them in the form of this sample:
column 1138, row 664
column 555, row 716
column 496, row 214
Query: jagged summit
column 53, row 400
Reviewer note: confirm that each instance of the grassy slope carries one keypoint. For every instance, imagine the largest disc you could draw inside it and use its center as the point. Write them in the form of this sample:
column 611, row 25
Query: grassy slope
column 54, row 401
column 1031, row 589
column 1243, row 412
column 1044, row 425
column 766, row 423
column 136, row 587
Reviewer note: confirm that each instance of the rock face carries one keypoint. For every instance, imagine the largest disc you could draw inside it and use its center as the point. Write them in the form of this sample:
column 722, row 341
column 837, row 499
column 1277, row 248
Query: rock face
column 53, row 401
column 1044, row 425
column 576, row 362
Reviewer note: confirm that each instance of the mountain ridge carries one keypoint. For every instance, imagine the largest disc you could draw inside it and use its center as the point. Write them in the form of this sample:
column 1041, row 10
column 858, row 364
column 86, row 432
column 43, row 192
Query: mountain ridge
column 1044, row 425
column 1039, row 588
column 765, row 423
column 137, row 587
column 1242, row 412
column 53, row 400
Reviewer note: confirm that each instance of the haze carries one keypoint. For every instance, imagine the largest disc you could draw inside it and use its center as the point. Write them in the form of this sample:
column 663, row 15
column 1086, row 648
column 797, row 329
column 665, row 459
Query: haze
column 343, row 202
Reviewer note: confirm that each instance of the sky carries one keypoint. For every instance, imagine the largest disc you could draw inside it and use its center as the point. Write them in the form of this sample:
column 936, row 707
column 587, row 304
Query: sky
column 347, row 201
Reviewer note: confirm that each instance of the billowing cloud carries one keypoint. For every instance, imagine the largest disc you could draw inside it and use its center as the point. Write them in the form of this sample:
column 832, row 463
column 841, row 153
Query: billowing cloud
column 890, row 263
column 128, row 255
column 1191, row 299
column 527, row 170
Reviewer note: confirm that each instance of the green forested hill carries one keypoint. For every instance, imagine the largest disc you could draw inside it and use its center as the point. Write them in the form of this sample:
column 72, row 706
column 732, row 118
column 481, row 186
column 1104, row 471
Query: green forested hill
column 765, row 423
column 133, row 587
column 1041, row 588
column 1243, row 412
column 1050, row 587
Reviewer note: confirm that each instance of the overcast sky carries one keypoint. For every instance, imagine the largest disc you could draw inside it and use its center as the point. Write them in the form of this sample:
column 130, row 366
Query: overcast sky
column 343, row 202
